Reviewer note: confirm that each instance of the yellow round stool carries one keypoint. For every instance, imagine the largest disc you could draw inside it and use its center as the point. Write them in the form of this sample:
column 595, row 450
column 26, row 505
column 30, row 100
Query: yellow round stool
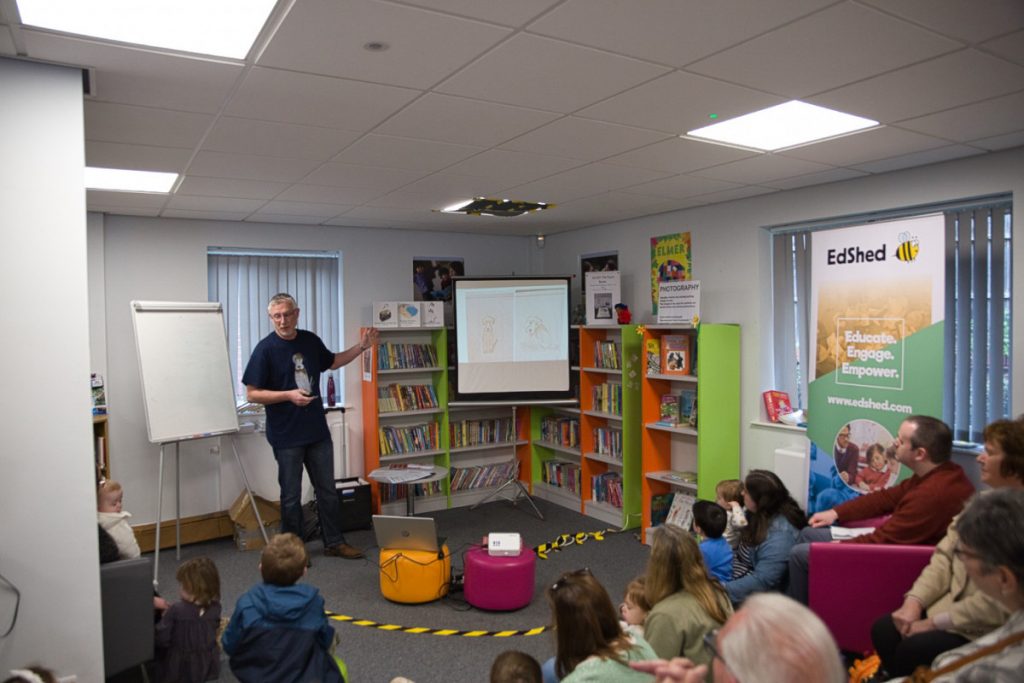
column 414, row 576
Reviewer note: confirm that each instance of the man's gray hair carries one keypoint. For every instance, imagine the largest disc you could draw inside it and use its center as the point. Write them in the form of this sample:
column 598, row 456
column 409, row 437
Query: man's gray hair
column 282, row 298
column 774, row 639
column 993, row 527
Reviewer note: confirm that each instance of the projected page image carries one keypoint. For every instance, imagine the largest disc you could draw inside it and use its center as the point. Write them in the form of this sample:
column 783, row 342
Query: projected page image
column 489, row 321
column 539, row 321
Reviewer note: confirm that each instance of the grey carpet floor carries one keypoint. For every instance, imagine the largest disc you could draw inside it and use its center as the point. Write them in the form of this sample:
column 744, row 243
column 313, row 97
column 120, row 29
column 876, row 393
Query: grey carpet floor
column 352, row 588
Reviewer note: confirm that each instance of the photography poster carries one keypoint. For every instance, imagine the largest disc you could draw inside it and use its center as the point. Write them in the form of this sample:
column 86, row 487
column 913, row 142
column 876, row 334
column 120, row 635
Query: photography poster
column 877, row 309
column 679, row 303
column 604, row 290
column 670, row 261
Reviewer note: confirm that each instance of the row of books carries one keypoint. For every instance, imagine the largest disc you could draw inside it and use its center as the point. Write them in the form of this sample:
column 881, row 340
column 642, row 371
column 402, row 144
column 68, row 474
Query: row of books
column 395, row 440
column 564, row 431
column 608, row 442
column 475, row 432
column 670, row 355
column 679, row 408
column 672, row 508
column 607, row 397
column 607, row 488
column 389, row 493
column 393, row 398
column 480, row 476
column 564, row 475
column 606, row 355
column 391, row 356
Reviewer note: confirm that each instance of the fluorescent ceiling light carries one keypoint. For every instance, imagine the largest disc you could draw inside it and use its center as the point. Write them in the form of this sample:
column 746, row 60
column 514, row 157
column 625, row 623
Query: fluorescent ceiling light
column 784, row 125
column 121, row 180
column 225, row 28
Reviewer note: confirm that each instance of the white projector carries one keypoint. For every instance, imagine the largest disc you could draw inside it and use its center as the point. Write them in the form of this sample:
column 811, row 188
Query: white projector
column 504, row 544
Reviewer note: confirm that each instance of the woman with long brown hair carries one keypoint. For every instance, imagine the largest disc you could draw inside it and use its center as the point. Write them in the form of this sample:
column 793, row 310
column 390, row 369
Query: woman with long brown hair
column 687, row 602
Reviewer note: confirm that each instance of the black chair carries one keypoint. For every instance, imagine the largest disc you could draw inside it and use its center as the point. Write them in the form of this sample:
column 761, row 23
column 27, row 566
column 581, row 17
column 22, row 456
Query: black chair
column 126, row 597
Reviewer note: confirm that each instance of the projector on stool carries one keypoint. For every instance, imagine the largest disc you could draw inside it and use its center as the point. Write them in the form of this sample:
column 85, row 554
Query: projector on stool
column 504, row 545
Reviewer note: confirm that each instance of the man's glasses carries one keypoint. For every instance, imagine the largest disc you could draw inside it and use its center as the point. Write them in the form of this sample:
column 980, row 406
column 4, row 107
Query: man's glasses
column 569, row 575
column 963, row 553
column 711, row 644
column 285, row 315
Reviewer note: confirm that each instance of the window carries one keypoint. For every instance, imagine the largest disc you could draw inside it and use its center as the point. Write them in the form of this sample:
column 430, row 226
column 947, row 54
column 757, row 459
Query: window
column 978, row 309
column 243, row 282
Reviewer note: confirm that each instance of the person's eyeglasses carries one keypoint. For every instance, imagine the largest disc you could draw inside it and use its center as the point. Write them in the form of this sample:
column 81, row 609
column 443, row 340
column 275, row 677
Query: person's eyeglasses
column 561, row 582
column 711, row 644
column 285, row 315
column 963, row 553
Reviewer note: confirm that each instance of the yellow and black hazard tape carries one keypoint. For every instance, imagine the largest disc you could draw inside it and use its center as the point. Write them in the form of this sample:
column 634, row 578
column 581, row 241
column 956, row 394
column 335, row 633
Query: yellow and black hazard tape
column 422, row 630
column 565, row 540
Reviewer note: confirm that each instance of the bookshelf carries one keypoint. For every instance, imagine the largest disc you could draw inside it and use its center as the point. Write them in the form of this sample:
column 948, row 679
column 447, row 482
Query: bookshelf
column 485, row 445
column 555, row 462
column 101, row 445
column 711, row 451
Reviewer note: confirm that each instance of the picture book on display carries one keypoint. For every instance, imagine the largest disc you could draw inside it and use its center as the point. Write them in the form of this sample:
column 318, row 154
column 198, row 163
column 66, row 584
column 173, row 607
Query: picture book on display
column 687, row 403
column 653, row 356
column 385, row 314
column 660, row 504
column 408, row 314
column 675, row 354
column 433, row 313
column 669, row 414
column 776, row 404
column 681, row 512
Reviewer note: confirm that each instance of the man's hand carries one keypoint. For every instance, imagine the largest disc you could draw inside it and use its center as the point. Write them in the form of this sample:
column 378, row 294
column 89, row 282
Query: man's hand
column 300, row 399
column 908, row 613
column 823, row 518
column 369, row 338
column 678, row 670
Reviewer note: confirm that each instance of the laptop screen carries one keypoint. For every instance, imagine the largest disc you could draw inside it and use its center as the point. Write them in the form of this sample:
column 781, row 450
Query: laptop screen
column 405, row 533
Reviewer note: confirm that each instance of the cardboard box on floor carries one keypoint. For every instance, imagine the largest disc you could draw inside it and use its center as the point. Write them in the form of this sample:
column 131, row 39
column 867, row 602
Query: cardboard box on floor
column 247, row 529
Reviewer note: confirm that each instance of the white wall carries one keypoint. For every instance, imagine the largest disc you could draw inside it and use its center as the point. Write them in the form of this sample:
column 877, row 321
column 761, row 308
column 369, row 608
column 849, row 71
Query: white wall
column 165, row 259
column 731, row 258
column 48, row 536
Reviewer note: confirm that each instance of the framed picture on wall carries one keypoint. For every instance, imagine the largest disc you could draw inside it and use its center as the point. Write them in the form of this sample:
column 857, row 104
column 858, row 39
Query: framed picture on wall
column 432, row 277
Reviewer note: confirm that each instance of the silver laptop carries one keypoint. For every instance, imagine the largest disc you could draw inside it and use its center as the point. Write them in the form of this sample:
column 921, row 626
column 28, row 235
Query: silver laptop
column 406, row 533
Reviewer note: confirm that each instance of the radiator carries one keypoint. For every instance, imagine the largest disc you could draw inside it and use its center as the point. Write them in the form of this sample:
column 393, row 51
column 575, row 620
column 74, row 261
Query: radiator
column 339, row 435
column 791, row 466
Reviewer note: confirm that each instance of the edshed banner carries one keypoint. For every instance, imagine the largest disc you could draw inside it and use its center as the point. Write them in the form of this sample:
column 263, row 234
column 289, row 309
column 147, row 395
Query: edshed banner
column 877, row 308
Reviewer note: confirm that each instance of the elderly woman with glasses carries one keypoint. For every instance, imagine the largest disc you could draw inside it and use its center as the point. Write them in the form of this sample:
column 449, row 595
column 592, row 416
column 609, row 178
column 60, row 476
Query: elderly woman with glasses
column 944, row 609
column 591, row 645
column 991, row 546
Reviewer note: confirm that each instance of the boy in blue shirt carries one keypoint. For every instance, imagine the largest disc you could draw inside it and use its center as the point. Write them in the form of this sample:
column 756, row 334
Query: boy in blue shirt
column 709, row 522
column 278, row 631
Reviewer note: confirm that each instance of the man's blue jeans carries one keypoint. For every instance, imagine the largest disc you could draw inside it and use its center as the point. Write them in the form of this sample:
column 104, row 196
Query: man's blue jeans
column 318, row 459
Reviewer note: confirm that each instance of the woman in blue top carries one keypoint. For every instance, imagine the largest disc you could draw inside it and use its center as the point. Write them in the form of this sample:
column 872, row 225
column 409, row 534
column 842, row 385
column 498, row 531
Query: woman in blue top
column 775, row 519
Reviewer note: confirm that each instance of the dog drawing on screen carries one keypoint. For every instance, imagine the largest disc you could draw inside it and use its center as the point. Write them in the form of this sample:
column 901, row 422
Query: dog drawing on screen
column 488, row 339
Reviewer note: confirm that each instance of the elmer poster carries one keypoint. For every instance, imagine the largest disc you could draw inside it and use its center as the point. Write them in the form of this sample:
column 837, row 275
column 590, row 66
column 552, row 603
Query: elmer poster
column 670, row 260
column 877, row 316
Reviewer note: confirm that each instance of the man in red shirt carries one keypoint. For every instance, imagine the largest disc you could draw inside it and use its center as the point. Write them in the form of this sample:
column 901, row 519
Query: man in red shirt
column 920, row 507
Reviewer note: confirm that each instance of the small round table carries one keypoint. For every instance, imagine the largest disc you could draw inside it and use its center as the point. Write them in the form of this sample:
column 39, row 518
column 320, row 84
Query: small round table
column 436, row 473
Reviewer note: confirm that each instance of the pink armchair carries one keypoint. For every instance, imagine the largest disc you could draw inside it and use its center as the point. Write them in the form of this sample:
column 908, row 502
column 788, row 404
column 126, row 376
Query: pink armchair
column 853, row 584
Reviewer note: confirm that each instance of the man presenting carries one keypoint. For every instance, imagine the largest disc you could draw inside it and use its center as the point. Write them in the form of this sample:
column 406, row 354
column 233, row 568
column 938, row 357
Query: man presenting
column 283, row 374
column 921, row 507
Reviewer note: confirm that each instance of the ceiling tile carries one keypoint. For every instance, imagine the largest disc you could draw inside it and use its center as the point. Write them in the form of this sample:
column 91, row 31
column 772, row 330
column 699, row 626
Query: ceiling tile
column 328, row 195
column 504, row 169
column 361, row 177
column 135, row 200
column 242, row 136
column 271, row 94
column 668, row 31
column 839, row 45
column 583, row 139
column 428, row 201
column 123, row 210
column 1010, row 46
column 143, row 126
column 237, row 216
column 679, row 102
column 250, row 167
column 677, row 155
column 464, row 121
column 877, row 143
column 680, row 186
column 132, row 75
column 968, row 20
column 7, row 46
column 930, row 156
column 497, row 11
column 1000, row 142
column 362, row 222
column 136, row 157
column 732, row 195
column 230, row 187
column 585, row 181
column 762, row 169
column 283, row 208
column 395, row 152
column 997, row 116
column 820, row 178
column 424, row 46
column 520, row 72
column 290, row 219
column 941, row 83
column 449, row 184
column 196, row 203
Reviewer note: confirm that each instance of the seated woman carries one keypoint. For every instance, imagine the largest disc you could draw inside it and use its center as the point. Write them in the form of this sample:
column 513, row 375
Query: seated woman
column 591, row 645
column 774, row 520
column 957, row 611
column 991, row 546
column 687, row 603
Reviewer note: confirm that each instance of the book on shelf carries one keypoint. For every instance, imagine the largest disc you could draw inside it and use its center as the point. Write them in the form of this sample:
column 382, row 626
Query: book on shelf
column 776, row 404
column 687, row 403
column 653, row 349
column 385, row 314
column 99, row 395
column 408, row 314
column 669, row 413
column 681, row 512
column 675, row 354
column 432, row 313
column 660, row 504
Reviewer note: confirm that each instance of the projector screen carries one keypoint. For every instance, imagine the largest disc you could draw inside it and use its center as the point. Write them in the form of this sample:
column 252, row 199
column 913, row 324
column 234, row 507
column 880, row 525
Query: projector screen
column 512, row 340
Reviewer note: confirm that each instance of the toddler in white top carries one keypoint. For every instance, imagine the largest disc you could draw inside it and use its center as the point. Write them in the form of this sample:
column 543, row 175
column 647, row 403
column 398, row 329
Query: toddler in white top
column 729, row 495
column 110, row 497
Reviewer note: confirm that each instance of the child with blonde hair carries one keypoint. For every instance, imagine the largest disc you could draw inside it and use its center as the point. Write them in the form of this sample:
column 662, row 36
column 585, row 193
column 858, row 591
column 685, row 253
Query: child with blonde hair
column 634, row 607
column 114, row 519
column 729, row 496
column 186, row 637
